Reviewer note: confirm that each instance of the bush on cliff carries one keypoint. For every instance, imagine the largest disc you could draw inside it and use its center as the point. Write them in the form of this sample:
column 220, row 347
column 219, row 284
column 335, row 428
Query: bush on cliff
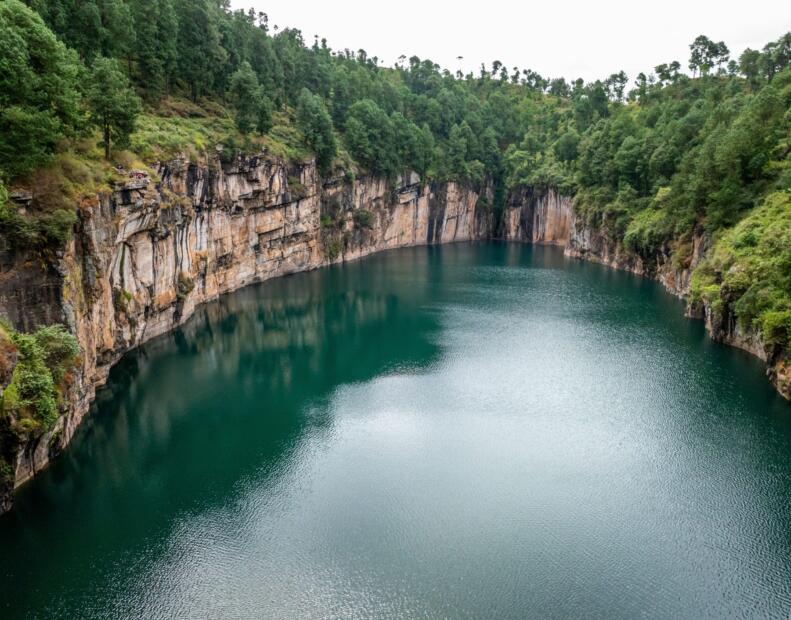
column 750, row 265
column 33, row 393
column 30, row 232
column 363, row 219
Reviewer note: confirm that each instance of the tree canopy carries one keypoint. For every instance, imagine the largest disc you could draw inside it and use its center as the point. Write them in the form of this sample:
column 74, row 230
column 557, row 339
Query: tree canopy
column 39, row 100
column 112, row 103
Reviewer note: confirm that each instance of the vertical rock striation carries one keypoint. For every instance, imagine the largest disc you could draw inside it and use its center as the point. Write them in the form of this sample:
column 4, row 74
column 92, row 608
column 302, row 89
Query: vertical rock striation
column 537, row 216
column 545, row 217
column 144, row 256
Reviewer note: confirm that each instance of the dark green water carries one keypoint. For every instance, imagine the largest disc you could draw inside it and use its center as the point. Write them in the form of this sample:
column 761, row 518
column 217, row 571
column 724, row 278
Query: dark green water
column 467, row 431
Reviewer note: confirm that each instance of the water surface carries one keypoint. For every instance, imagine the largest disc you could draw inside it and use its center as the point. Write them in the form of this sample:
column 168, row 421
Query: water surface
column 467, row 431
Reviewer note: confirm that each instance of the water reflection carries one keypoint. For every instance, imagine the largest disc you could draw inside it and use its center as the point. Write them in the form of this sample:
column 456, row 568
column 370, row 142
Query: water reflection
column 466, row 431
column 195, row 413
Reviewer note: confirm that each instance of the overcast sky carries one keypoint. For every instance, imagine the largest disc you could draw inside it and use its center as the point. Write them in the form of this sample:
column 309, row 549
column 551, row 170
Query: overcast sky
column 569, row 38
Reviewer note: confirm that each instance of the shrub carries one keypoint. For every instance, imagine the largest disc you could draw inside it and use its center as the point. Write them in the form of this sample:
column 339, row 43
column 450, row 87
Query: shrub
column 184, row 286
column 44, row 359
column 121, row 299
column 42, row 232
column 363, row 219
column 6, row 473
column 334, row 249
column 59, row 348
column 647, row 231
column 753, row 262
column 776, row 328
column 298, row 191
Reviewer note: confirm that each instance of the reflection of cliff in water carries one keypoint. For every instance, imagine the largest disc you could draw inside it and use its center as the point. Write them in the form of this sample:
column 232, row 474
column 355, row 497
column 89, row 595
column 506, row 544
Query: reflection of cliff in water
column 259, row 362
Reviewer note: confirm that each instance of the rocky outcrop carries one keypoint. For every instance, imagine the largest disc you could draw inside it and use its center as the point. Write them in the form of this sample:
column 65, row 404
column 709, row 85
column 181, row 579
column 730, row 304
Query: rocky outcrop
column 545, row 217
column 538, row 216
column 144, row 256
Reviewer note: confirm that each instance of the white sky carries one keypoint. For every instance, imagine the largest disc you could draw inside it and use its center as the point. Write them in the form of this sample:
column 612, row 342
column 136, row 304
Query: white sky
column 569, row 38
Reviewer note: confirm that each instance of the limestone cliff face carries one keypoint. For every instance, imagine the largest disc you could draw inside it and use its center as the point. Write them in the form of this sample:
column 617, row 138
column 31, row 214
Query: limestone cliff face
column 538, row 216
column 143, row 257
column 543, row 216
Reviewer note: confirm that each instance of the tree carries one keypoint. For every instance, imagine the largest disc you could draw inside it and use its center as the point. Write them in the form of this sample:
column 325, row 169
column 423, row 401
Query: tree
column 668, row 72
column 156, row 28
column 457, row 152
column 559, row 88
column 750, row 66
column 706, row 54
column 629, row 162
column 370, row 137
column 199, row 51
column 253, row 108
column 616, row 84
column 117, row 31
column 113, row 105
column 777, row 55
column 316, row 125
column 566, row 147
column 84, row 30
column 39, row 101
column 641, row 90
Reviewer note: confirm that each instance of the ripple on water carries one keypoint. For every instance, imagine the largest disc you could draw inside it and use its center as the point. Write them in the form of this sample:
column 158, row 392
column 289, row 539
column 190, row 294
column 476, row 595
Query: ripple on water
column 471, row 431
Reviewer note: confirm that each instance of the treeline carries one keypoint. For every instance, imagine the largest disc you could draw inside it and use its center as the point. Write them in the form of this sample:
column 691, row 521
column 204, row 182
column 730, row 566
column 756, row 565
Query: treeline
column 503, row 123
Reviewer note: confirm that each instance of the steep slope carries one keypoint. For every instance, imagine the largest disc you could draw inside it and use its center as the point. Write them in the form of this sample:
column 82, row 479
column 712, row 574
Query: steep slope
column 144, row 256
column 544, row 216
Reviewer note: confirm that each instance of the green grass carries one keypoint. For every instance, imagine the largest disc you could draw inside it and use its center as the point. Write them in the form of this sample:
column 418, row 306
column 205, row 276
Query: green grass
column 178, row 127
column 749, row 268
column 44, row 359
column 163, row 138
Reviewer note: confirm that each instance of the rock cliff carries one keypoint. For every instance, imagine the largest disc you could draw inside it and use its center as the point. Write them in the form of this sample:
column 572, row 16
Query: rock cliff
column 545, row 217
column 144, row 256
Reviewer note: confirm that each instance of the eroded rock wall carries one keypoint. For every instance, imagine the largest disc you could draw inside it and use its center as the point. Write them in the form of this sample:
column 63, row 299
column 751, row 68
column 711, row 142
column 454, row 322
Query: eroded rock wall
column 538, row 216
column 143, row 257
column 545, row 217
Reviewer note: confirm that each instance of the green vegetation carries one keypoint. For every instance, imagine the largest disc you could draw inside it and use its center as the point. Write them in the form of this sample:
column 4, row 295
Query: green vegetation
column 334, row 248
column 113, row 105
column 47, row 231
column 749, row 269
column 653, row 164
column 44, row 358
column 363, row 219
column 253, row 107
column 38, row 90
column 315, row 123
column 184, row 286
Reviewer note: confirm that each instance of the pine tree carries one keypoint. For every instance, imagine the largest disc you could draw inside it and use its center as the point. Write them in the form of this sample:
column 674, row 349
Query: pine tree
column 114, row 106
column 39, row 102
column 316, row 125
column 253, row 108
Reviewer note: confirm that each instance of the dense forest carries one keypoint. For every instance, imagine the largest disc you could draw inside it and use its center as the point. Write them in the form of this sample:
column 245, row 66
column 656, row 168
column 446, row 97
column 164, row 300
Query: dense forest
column 651, row 160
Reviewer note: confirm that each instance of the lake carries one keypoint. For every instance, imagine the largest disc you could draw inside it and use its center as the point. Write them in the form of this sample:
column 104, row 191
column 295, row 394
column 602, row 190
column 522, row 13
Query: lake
column 467, row 431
